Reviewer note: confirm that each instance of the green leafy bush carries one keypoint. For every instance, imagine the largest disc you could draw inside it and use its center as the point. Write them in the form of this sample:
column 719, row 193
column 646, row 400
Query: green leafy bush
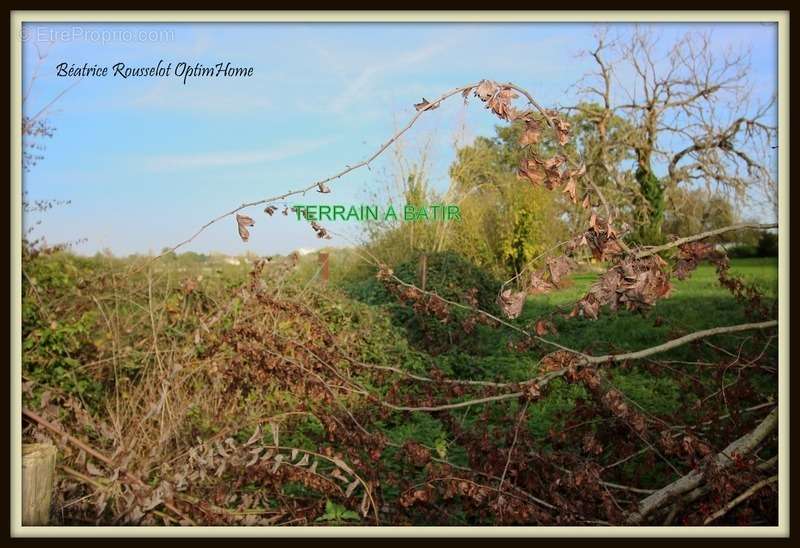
column 450, row 276
column 767, row 246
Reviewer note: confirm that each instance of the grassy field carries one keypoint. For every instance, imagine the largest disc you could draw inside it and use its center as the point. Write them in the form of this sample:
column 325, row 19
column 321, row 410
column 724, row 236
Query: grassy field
column 696, row 303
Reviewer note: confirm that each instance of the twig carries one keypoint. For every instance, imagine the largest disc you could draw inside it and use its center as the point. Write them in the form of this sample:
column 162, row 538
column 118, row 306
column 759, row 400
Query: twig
column 741, row 498
column 317, row 184
column 513, row 443
column 681, row 341
column 451, row 478
column 30, row 121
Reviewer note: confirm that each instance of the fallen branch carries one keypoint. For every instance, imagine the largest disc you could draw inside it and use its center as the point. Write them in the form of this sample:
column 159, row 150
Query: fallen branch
column 693, row 479
column 702, row 491
column 586, row 360
column 639, row 354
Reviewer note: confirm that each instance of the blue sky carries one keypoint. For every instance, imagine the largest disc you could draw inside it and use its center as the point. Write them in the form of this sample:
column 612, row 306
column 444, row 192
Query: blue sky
column 146, row 161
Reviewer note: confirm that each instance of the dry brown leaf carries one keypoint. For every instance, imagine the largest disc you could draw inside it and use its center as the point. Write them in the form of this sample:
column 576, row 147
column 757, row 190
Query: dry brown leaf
column 558, row 268
column 531, row 134
column 500, row 104
column 511, row 303
column 93, row 470
column 593, row 221
column 255, row 437
column 275, row 431
column 221, row 468
column 320, row 230
column 634, row 284
column 571, row 189
column 425, row 105
column 533, row 170
column 351, row 488
column 336, row 473
column 254, row 458
column 341, row 464
column 485, row 90
column 221, row 451
column 562, row 130
column 365, row 504
column 537, row 284
column 242, row 222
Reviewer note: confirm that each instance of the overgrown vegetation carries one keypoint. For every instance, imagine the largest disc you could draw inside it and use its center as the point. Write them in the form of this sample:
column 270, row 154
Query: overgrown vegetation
column 124, row 360
column 539, row 366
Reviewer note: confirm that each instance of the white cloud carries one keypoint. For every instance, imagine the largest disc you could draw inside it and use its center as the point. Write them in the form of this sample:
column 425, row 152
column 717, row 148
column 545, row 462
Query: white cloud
column 170, row 162
column 366, row 81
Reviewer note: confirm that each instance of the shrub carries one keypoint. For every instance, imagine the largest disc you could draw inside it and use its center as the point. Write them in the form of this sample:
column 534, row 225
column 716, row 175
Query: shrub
column 743, row 251
column 768, row 245
column 450, row 276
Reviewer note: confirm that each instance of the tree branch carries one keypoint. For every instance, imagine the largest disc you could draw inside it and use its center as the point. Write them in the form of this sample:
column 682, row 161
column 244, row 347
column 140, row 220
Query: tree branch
column 647, row 251
column 430, row 106
column 639, row 354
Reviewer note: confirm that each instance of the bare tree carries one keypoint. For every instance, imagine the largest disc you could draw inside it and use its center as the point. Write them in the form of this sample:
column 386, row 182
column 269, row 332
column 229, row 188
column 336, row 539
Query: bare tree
column 689, row 115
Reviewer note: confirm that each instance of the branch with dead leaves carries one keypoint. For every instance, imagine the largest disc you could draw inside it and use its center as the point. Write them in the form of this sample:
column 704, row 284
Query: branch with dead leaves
column 497, row 98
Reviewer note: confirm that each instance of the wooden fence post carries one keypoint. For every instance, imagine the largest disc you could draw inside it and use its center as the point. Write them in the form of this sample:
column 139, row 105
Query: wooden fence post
column 323, row 260
column 38, row 477
column 423, row 271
